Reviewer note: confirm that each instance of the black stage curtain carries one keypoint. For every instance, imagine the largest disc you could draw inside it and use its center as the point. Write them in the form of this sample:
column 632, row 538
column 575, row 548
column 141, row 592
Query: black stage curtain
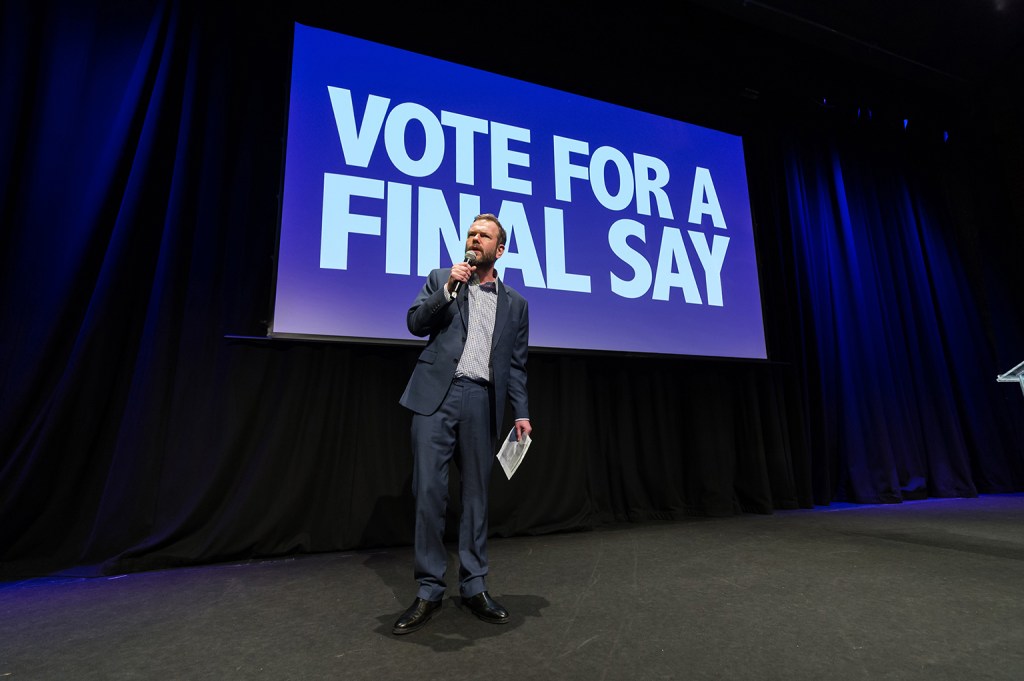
column 143, row 426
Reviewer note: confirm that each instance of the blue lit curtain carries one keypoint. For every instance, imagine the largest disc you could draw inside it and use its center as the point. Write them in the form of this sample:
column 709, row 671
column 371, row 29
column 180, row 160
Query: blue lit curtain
column 895, row 239
column 126, row 186
column 140, row 159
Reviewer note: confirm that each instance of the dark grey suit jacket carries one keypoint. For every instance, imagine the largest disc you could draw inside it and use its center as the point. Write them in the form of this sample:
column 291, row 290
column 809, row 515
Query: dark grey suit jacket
column 446, row 324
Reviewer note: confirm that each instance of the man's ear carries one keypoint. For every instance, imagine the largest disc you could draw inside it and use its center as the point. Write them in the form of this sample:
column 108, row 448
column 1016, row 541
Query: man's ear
column 501, row 249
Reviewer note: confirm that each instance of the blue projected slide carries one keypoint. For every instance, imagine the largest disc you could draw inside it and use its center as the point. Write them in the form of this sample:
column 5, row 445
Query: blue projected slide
column 627, row 231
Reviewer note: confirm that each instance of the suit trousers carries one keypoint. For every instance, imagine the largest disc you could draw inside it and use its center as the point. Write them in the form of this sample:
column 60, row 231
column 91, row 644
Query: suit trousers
column 459, row 428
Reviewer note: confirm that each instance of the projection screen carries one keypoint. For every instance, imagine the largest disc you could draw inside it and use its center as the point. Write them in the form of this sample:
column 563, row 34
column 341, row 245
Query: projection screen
column 627, row 231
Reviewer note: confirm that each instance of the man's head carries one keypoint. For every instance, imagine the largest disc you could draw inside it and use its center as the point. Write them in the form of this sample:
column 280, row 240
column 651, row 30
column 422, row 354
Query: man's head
column 486, row 238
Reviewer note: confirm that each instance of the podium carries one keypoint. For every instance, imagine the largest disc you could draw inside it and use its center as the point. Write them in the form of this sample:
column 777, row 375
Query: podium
column 1014, row 375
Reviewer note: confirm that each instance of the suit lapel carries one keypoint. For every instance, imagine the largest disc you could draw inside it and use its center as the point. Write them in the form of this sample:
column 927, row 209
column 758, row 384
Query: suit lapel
column 462, row 302
column 501, row 314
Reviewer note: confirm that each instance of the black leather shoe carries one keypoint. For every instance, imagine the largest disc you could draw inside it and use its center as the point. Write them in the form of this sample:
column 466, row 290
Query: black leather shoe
column 418, row 614
column 486, row 608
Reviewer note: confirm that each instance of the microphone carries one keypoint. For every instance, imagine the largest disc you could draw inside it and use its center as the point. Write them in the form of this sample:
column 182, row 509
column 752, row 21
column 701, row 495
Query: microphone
column 471, row 259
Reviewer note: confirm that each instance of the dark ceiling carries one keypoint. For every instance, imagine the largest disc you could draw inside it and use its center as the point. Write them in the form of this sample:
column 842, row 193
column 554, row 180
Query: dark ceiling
column 710, row 60
column 947, row 42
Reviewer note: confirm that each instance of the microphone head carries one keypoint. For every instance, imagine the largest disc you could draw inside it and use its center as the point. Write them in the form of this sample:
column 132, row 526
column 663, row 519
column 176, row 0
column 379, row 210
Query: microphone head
column 471, row 257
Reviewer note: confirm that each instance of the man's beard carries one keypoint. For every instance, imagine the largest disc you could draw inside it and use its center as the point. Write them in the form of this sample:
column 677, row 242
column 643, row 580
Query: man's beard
column 485, row 261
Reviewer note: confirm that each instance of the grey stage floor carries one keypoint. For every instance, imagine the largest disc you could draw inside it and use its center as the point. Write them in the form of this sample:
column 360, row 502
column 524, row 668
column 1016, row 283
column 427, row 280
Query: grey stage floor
column 922, row 590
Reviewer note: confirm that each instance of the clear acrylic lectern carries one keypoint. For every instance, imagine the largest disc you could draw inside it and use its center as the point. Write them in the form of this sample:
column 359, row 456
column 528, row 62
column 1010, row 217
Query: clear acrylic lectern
column 1014, row 375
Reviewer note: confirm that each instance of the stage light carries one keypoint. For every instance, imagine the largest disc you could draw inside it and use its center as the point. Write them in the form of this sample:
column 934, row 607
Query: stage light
column 905, row 122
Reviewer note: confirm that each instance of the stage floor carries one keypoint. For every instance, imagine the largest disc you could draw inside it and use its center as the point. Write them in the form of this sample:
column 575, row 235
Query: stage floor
column 927, row 590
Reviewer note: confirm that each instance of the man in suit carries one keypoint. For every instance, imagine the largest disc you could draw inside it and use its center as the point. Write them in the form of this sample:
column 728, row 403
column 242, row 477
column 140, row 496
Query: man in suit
column 474, row 360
